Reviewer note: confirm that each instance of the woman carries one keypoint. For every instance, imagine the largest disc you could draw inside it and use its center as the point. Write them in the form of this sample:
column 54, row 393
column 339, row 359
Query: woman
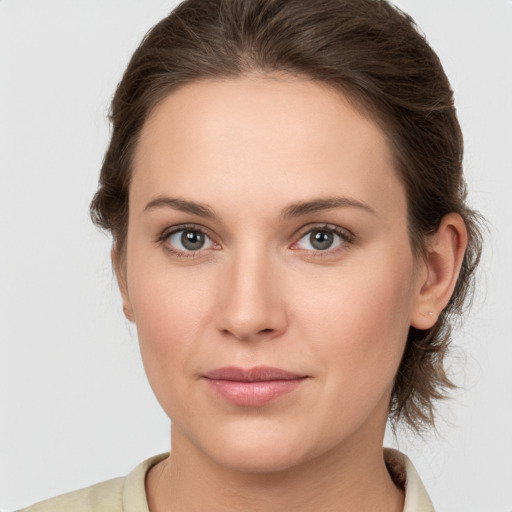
column 290, row 237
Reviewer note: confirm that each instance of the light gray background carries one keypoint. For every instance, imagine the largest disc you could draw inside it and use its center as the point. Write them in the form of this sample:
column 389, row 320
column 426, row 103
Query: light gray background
column 75, row 405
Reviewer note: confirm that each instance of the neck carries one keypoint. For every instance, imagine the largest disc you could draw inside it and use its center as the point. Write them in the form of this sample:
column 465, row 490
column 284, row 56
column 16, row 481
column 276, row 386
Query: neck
column 348, row 479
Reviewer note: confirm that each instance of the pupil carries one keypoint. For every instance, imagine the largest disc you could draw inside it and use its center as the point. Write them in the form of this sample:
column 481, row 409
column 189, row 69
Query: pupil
column 192, row 240
column 321, row 240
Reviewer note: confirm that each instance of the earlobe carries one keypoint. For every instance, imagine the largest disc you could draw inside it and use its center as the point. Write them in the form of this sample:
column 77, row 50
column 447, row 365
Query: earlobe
column 128, row 313
column 443, row 260
column 121, row 282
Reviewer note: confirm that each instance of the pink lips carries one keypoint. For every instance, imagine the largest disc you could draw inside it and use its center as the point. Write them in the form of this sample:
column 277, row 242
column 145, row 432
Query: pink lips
column 253, row 386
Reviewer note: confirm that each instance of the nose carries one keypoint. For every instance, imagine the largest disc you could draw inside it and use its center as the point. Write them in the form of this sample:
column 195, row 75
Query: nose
column 251, row 302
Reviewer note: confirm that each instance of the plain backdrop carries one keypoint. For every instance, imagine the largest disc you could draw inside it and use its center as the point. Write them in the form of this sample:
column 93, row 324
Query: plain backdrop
column 75, row 405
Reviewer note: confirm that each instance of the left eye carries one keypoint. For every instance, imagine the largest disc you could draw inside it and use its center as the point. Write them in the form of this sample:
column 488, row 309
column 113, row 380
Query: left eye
column 320, row 240
column 188, row 240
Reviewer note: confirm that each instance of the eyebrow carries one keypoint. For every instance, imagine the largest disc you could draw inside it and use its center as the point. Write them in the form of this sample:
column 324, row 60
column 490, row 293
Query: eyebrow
column 317, row 205
column 202, row 210
column 297, row 209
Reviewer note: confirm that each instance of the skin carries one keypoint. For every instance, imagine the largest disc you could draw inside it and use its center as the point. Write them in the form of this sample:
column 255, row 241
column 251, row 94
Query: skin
column 258, row 293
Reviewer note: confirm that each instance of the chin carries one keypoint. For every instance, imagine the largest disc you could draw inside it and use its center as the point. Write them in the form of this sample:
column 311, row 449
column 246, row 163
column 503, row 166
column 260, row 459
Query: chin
column 260, row 446
column 261, row 458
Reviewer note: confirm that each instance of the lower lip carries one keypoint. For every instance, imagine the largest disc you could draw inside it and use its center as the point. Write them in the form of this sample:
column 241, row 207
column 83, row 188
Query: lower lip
column 253, row 393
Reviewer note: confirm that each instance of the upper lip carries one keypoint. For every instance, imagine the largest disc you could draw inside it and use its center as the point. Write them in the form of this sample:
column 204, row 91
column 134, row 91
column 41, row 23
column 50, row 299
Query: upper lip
column 255, row 374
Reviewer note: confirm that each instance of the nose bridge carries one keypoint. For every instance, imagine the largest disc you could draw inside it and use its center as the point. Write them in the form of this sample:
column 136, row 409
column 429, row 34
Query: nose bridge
column 251, row 304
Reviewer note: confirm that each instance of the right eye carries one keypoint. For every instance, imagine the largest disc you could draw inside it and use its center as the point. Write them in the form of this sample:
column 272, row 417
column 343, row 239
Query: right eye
column 188, row 240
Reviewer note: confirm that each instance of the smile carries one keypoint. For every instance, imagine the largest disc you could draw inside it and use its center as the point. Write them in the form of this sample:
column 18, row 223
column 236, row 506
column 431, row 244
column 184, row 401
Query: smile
column 254, row 386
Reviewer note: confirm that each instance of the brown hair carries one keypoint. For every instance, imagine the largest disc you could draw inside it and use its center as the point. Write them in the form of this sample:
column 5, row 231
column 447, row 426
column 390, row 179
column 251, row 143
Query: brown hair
column 371, row 52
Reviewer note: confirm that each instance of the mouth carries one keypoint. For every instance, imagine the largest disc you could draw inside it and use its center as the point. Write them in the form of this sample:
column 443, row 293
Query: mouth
column 252, row 386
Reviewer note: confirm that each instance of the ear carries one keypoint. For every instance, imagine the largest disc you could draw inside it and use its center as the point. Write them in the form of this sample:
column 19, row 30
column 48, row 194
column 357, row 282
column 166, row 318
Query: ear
column 120, row 271
column 440, row 270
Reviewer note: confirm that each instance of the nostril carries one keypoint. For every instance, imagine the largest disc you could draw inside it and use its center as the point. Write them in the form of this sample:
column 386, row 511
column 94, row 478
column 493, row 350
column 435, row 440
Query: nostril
column 264, row 331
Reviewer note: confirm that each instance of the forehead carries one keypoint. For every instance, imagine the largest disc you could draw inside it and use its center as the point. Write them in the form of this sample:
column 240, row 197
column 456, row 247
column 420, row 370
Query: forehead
column 294, row 136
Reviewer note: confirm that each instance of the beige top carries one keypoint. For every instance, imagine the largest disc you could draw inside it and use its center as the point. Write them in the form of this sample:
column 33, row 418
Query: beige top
column 128, row 494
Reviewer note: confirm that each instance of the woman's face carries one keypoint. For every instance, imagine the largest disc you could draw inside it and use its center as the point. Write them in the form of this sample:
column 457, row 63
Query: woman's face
column 268, row 270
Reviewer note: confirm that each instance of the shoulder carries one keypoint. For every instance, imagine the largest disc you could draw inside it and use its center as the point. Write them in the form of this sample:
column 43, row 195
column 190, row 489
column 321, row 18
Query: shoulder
column 124, row 494
column 105, row 496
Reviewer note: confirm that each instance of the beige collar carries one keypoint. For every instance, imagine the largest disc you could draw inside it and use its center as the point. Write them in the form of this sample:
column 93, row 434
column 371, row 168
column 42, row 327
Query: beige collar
column 416, row 497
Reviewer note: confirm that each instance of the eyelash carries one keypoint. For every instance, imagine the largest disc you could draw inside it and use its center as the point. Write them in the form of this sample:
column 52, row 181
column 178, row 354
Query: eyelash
column 162, row 239
column 346, row 239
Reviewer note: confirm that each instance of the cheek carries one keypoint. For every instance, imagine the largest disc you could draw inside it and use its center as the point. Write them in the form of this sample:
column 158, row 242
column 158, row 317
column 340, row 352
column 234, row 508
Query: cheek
column 360, row 320
column 171, row 309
